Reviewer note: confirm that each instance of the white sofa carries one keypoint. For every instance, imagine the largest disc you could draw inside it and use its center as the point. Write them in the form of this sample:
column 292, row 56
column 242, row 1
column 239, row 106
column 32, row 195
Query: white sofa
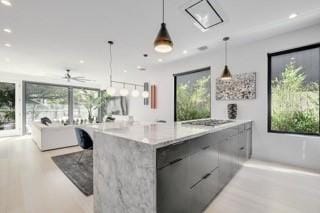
column 56, row 136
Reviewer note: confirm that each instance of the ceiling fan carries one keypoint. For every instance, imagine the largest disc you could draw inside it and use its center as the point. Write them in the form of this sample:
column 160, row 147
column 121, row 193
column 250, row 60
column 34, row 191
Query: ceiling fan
column 75, row 78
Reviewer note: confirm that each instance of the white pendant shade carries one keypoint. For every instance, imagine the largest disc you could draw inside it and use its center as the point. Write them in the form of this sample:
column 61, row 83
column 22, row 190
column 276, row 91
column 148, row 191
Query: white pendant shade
column 163, row 48
column 145, row 94
column 124, row 92
column 111, row 91
column 135, row 93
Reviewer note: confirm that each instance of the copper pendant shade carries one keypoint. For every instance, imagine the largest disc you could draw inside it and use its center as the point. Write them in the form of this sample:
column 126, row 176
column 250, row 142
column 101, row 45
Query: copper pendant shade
column 226, row 74
column 163, row 42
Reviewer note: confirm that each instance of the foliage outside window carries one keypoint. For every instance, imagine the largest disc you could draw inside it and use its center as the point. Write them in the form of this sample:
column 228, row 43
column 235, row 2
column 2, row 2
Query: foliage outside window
column 53, row 101
column 86, row 104
column 193, row 95
column 295, row 92
column 7, row 106
column 45, row 101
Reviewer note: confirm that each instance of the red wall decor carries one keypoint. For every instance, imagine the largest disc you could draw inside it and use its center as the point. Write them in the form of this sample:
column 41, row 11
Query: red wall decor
column 153, row 97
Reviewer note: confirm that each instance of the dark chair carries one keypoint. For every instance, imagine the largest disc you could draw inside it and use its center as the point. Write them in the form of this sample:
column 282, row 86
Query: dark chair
column 84, row 141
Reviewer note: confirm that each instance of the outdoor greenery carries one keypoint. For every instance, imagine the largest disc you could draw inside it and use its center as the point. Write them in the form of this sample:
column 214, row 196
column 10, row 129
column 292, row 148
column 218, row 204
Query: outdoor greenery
column 7, row 105
column 193, row 100
column 295, row 102
column 90, row 100
column 53, row 102
column 45, row 101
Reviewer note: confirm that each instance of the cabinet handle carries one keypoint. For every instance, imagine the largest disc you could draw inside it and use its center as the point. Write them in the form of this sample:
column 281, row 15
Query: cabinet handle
column 206, row 147
column 242, row 148
column 206, row 176
column 175, row 161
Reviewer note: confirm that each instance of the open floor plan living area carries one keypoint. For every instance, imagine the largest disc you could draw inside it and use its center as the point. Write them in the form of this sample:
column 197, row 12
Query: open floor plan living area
column 163, row 106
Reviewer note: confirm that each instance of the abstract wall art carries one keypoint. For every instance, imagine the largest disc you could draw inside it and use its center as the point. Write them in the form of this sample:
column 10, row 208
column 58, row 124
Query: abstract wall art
column 240, row 87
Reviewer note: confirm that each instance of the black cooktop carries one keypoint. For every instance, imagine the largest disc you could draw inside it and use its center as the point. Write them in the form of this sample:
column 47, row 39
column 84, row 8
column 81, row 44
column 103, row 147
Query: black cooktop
column 208, row 122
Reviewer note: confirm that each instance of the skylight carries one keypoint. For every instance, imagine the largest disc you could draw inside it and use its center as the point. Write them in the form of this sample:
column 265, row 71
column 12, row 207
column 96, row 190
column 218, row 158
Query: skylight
column 204, row 14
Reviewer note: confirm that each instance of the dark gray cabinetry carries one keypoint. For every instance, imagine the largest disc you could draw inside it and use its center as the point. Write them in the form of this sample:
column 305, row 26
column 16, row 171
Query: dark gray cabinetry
column 190, row 174
column 248, row 135
column 203, row 158
column 204, row 191
column 172, row 188
column 225, row 161
column 242, row 147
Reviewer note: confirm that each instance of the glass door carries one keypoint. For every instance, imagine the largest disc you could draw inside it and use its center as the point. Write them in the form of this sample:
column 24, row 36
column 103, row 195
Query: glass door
column 8, row 109
column 44, row 100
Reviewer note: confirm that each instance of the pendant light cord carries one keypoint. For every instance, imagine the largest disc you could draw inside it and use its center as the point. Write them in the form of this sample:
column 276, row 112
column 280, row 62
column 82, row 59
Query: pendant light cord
column 226, row 53
column 110, row 64
column 162, row 11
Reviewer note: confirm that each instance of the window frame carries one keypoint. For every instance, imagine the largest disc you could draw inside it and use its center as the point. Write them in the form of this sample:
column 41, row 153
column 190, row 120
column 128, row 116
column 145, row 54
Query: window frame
column 175, row 87
column 70, row 99
column 270, row 55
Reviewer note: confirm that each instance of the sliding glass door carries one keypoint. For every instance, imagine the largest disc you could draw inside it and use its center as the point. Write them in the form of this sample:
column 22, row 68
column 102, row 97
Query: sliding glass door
column 59, row 103
column 42, row 100
column 85, row 105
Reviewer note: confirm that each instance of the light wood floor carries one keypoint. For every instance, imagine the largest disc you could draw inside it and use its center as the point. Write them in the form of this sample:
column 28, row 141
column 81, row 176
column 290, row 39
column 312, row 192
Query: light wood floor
column 31, row 183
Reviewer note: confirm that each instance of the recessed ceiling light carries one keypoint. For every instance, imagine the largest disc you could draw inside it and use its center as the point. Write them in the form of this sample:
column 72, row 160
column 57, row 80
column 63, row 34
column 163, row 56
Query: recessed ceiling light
column 293, row 15
column 160, row 60
column 6, row 3
column 81, row 61
column 7, row 45
column 125, row 71
column 7, row 30
column 185, row 51
column 139, row 67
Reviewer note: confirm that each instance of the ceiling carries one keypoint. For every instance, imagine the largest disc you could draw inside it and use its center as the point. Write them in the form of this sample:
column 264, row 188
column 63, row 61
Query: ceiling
column 49, row 36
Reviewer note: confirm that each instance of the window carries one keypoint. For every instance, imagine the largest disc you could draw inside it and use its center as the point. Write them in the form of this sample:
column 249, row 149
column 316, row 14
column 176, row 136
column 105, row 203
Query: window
column 7, row 106
column 192, row 93
column 85, row 105
column 44, row 100
column 293, row 91
column 64, row 104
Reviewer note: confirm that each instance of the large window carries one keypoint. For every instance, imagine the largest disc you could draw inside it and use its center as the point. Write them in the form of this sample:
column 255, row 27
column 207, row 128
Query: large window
column 85, row 105
column 293, row 91
column 44, row 100
column 7, row 106
column 192, row 92
column 64, row 104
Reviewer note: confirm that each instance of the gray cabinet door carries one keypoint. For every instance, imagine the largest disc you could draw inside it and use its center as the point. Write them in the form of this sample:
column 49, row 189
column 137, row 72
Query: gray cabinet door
column 234, row 152
column 204, row 192
column 173, row 194
column 248, row 139
column 242, row 148
column 225, row 162
column 204, row 160
column 171, row 153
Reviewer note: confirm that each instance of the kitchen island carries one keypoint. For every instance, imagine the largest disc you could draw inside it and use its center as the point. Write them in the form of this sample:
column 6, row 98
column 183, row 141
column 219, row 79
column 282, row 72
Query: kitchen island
column 154, row 167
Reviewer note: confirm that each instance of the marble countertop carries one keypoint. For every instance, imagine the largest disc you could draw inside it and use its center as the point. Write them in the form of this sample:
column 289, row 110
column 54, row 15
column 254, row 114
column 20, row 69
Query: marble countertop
column 159, row 134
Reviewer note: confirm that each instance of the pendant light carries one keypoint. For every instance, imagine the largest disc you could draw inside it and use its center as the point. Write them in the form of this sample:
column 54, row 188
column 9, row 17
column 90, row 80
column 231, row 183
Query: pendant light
column 110, row 90
column 226, row 74
column 163, row 42
column 135, row 93
column 124, row 91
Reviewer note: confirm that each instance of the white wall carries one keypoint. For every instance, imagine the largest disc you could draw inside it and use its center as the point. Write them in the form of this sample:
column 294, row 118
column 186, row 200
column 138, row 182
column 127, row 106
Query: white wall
column 302, row 151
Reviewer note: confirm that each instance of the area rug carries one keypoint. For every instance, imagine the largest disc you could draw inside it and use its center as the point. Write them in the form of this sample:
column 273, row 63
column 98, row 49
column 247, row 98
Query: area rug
column 80, row 174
